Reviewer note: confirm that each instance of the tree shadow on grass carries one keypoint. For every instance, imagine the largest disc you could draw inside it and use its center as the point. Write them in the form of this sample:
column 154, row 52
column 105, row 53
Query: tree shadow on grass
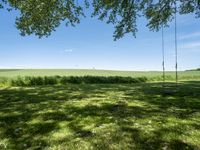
column 185, row 97
column 123, row 116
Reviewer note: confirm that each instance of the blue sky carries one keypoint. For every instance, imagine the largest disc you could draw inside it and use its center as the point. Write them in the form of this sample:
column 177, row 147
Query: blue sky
column 90, row 45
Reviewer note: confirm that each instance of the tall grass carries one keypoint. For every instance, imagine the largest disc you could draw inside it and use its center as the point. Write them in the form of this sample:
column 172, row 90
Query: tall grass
column 63, row 80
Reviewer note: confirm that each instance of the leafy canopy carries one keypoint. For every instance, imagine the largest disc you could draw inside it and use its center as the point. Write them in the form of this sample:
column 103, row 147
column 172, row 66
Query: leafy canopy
column 41, row 17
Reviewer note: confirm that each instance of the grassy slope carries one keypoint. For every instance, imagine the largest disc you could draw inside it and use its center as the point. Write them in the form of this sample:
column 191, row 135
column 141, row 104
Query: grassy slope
column 100, row 117
column 185, row 75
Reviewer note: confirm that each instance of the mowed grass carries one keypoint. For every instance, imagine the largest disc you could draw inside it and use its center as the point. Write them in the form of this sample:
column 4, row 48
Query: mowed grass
column 101, row 116
column 151, row 75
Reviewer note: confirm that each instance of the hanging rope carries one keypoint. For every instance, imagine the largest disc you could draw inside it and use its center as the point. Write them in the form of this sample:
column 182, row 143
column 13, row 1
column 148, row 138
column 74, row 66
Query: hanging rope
column 176, row 50
column 163, row 56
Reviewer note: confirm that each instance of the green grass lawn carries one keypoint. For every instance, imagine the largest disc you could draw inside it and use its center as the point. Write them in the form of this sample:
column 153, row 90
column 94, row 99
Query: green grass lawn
column 101, row 116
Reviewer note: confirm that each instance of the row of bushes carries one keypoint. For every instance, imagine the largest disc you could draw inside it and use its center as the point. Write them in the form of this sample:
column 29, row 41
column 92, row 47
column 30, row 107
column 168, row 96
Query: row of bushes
column 63, row 80
column 160, row 78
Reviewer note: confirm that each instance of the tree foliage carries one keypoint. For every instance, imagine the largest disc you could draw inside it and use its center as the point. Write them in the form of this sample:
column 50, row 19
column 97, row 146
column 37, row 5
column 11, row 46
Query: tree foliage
column 41, row 17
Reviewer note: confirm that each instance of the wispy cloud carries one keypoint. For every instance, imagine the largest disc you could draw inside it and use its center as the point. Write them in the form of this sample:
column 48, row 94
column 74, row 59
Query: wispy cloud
column 189, row 36
column 194, row 45
column 191, row 47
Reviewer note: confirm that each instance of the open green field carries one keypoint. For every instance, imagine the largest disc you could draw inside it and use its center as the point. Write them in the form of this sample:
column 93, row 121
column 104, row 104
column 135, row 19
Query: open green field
column 152, row 75
column 139, row 116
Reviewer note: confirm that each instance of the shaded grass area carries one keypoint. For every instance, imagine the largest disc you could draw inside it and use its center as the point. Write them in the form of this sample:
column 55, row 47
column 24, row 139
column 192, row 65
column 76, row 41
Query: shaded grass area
column 101, row 116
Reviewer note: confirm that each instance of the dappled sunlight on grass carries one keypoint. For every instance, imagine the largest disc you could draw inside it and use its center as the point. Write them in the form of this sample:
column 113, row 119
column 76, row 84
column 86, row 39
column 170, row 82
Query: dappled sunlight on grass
column 101, row 116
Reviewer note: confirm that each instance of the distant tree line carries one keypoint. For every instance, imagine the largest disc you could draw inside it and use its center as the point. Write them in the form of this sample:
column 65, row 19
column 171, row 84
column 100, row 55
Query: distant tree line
column 198, row 69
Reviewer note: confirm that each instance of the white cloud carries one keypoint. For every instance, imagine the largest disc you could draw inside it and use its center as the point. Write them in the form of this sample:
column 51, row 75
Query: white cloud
column 68, row 50
column 189, row 36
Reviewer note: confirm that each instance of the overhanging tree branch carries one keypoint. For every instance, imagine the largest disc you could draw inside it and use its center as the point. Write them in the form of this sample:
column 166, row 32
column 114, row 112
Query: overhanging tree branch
column 41, row 17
